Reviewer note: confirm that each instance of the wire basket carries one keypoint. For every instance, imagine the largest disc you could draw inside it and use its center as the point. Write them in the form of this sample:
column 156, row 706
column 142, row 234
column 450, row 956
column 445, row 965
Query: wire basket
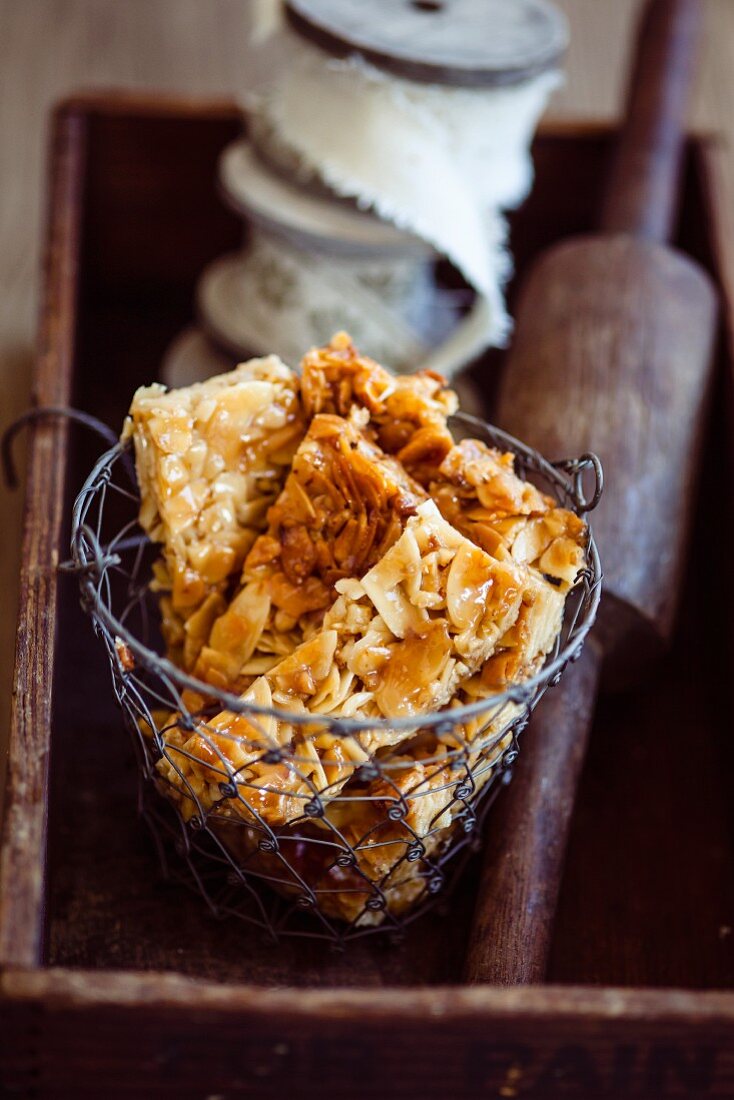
column 365, row 844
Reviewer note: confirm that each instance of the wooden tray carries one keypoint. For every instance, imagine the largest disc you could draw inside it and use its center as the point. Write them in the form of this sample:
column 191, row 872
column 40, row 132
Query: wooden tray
column 115, row 983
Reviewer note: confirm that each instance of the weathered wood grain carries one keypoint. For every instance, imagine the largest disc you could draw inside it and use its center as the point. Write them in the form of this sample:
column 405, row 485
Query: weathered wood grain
column 22, row 859
column 160, row 1035
column 625, row 330
column 643, row 188
column 525, row 846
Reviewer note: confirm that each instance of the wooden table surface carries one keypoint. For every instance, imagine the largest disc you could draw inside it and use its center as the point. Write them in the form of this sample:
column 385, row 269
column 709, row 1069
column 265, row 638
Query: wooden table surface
column 49, row 48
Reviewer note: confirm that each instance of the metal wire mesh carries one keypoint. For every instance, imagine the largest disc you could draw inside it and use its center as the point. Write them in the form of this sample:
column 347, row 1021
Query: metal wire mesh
column 334, row 843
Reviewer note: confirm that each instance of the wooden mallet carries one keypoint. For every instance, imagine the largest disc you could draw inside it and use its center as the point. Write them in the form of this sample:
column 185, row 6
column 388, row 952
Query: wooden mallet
column 612, row 353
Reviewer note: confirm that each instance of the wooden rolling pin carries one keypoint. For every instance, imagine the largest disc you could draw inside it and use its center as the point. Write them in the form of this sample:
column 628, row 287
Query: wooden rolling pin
column 612, row 353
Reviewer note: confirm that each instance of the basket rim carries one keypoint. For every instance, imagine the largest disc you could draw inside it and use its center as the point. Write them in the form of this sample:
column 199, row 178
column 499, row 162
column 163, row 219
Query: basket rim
column 90, row 560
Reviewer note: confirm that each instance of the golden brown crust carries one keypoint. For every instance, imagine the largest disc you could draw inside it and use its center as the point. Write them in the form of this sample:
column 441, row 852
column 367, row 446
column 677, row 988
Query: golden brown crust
column 210, row 459
column 407, row 413
column 478, row 491
column 397, row 644
column 425, row 617
column 343, row 505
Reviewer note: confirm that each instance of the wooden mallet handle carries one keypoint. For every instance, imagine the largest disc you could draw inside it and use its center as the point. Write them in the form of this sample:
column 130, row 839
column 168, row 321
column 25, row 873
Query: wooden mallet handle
column 643, row 185
column 526, row 841
column 612, row 353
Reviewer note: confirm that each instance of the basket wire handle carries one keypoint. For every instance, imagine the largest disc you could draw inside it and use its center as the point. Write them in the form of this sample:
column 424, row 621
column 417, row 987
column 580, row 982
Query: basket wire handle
column 42, row 412
column 576, row 468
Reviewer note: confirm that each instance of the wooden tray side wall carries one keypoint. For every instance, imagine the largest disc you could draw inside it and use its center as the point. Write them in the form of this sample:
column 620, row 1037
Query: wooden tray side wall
column 23, row 859
column 121, row 1035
